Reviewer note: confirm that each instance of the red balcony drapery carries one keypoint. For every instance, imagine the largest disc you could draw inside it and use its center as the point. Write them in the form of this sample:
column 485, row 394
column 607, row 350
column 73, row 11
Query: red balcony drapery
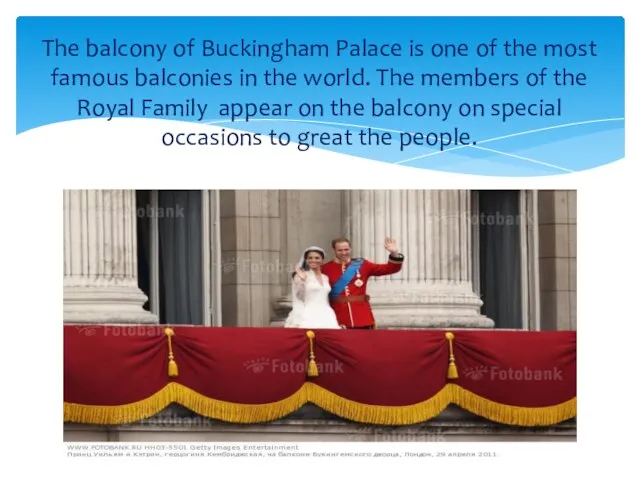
column 122, row 374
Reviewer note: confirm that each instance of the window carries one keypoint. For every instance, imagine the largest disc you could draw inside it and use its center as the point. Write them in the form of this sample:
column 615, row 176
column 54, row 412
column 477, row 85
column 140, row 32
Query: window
column 177, row 247
column 505, row 256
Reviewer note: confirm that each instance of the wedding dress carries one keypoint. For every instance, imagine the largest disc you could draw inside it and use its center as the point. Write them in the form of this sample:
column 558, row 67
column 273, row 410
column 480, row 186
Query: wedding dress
column 310, row 302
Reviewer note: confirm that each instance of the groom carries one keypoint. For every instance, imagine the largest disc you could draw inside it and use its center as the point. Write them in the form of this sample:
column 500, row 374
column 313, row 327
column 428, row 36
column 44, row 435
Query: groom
column 348, row 278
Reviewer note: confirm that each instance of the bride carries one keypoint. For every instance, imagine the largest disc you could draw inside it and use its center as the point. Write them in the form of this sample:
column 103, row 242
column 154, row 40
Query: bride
column 310, row 294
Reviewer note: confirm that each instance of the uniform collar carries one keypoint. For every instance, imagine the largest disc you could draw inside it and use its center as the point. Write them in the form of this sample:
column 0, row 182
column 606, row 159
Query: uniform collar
column 340, row 263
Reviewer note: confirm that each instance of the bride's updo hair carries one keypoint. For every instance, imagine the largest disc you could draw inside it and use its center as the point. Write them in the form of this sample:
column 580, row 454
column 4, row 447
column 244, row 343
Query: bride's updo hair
column 305, row 266
column 306, row 255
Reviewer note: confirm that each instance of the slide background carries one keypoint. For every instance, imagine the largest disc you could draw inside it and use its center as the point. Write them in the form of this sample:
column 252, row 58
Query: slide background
column 39, row 164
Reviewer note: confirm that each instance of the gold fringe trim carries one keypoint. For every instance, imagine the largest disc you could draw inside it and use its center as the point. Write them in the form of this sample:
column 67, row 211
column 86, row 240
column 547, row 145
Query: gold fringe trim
column 510, row 414
column 119, row 414
column 239, row 412
column 194, row 401
column 377, row 414
column 312, row 393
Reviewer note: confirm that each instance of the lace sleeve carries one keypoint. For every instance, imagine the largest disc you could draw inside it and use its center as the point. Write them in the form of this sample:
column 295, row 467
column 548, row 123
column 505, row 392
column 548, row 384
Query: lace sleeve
column 294, row 319
column 298, row 289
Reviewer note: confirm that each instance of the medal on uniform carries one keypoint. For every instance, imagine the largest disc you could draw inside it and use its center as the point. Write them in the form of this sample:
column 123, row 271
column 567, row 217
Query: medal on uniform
column 358, row 282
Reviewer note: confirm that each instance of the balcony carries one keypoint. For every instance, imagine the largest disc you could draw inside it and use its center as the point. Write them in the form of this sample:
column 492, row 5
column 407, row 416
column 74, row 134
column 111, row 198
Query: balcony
column 231, row 384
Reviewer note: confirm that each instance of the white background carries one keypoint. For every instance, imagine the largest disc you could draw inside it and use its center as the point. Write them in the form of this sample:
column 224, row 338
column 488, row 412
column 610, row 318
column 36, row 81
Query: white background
column 37, row 165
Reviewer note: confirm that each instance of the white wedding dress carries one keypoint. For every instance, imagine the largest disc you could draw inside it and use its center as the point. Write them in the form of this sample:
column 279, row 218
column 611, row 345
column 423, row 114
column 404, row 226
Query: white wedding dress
column 310, row 300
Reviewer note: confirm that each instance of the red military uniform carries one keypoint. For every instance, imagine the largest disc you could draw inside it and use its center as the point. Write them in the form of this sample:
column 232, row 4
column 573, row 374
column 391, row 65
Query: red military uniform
column 352, row 304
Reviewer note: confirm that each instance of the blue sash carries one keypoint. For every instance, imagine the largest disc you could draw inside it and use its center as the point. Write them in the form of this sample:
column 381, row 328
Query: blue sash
column 346, row 277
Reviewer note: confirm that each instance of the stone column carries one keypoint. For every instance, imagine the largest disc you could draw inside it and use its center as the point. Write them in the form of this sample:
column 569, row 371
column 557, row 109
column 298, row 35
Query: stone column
column 250, row 237
column 100, row 258
column 291, row 247
column 433, row 231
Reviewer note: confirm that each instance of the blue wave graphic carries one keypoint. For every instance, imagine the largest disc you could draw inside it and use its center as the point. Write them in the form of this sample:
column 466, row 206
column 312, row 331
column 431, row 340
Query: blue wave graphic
column 572, row 119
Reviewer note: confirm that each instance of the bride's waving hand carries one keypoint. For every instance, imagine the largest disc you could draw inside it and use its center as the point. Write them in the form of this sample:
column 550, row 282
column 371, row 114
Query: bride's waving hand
column 310, row 294
column 301, row 275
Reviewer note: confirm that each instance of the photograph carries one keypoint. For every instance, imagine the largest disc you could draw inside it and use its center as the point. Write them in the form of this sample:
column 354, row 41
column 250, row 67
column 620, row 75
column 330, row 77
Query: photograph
column 319, row 316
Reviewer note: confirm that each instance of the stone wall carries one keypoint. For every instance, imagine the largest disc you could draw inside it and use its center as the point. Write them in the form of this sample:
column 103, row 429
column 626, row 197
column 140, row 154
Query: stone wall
column 557, row 213
column 310, row 424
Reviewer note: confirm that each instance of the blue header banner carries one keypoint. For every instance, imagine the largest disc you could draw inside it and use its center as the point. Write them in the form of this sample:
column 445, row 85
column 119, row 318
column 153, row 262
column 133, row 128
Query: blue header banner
column 506, row 96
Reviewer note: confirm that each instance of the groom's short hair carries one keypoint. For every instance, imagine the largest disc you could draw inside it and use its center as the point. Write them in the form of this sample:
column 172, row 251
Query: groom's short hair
column 336, row 241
